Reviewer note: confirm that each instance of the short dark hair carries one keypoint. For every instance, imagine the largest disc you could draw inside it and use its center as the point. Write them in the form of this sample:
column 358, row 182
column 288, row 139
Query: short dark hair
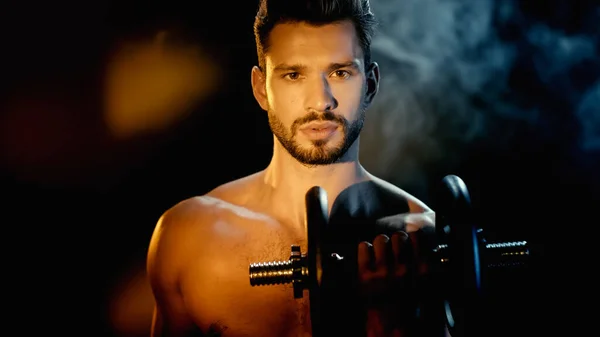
column 316, row 13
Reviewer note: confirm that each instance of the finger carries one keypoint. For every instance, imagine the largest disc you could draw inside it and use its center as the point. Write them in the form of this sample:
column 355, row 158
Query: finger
column 399, row 244
column 381, row 250
column 415, row 242
column 422, row 244
column 403, row 254
column 365, row 257
column 421, row 227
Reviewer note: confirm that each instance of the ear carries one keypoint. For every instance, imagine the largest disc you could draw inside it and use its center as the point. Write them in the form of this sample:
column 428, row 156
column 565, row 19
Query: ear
column 372, row 75
column 259, row 87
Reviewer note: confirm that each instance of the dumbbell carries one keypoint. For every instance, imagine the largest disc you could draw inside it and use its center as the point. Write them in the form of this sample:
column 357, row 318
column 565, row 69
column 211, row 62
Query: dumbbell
column 303, row 270
column 466, row 261
column 461, row 257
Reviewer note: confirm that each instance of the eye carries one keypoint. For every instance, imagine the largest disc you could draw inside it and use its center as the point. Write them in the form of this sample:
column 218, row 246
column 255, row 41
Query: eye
column 292, row 76
column 342, row 73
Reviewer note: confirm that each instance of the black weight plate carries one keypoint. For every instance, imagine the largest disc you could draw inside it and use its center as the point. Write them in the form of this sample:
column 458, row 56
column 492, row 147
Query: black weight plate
column 454, row 220
column 316, row 222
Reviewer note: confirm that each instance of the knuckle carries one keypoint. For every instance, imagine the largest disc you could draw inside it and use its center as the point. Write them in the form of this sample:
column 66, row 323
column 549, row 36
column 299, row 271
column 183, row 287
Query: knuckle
column 381, row 239
column 400, row 271
column 381, row 273
column 365, row 277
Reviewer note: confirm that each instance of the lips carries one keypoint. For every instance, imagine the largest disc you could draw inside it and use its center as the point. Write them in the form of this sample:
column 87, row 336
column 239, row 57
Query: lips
column 319, row 130
column 319, row 126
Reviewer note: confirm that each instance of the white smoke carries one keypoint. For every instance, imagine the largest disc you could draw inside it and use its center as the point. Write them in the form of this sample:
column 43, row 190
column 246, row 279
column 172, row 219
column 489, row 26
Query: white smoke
column 444, row 82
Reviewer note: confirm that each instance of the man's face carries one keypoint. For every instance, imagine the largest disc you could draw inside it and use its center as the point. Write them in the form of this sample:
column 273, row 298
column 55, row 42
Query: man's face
column 315, row 87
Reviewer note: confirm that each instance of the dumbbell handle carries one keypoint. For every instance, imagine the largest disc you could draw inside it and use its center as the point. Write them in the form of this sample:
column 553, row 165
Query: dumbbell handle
column 497, row 255
column 273, row 272
column 294, row 270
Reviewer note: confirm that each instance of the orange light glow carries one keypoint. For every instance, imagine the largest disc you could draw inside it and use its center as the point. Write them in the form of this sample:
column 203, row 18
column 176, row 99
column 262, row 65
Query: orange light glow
column 152, row 85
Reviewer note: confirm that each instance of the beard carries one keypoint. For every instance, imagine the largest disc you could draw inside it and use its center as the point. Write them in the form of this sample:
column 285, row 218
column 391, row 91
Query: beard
column 321, row 152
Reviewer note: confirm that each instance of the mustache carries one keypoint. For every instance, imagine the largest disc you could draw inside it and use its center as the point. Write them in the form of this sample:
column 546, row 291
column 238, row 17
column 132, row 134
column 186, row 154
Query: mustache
column 321, row 117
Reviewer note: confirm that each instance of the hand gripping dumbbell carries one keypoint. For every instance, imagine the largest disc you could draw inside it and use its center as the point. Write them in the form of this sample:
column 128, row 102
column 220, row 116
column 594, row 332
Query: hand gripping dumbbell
column 462, row 257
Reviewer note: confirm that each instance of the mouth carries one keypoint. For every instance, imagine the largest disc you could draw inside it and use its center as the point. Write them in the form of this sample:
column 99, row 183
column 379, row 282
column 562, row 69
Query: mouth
column 319, row 130
column 319, row 126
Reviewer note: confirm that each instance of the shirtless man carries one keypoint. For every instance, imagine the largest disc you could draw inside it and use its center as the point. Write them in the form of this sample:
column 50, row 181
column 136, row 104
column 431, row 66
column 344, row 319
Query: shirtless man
column 316, row 80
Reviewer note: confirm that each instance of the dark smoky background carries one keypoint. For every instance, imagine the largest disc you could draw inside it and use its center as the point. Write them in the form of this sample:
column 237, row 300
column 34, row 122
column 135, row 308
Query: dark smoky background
column 111, row 112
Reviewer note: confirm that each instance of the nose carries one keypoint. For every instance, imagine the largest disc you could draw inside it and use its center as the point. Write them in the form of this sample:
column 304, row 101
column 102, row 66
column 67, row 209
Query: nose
column 320, row 96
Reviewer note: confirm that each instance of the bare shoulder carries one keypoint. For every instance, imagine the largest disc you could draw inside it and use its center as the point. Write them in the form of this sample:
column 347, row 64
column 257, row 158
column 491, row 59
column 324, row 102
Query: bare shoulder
column 192, row 230
column 191, row 240
column 195, row 217
column 415, row 205
column 239, row 191
column 419, row 216
column 211, row 217
column 176, row 231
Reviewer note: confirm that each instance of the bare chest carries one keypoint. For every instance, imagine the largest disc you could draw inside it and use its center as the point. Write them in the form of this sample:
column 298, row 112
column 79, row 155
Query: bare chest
column 218, row 293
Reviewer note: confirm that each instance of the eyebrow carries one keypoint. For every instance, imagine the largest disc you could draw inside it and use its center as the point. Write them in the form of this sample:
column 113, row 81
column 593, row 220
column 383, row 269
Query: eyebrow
column 300, row 67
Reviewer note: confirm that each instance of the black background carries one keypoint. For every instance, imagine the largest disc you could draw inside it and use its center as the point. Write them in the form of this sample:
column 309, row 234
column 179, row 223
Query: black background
column 80, row 205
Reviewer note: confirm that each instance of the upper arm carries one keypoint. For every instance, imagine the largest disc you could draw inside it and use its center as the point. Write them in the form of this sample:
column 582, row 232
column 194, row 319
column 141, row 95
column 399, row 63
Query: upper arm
column 167, row 255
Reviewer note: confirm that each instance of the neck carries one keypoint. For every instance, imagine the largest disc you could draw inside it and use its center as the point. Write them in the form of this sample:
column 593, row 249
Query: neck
column 289, row 180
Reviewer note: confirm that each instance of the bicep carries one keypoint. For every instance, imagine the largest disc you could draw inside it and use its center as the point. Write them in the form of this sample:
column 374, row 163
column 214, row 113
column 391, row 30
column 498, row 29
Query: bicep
column 171, row 319
column 165, row 260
